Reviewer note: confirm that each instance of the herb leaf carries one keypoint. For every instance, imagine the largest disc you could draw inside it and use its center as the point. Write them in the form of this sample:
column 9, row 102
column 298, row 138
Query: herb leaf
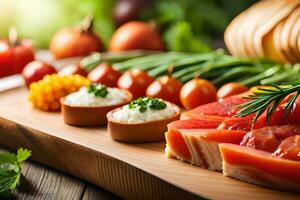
column 268, row 99
column 10, row 171
column 144, row 103
column 23, row 154
column 98, row 90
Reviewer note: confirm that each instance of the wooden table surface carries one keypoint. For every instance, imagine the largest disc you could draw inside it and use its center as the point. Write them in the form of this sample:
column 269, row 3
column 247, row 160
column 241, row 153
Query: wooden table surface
column 42, row 182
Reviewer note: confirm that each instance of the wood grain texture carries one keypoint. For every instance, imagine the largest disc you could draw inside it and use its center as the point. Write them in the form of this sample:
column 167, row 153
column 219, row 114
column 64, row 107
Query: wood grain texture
column 41, row 182
column 94, row 193
column 132, row 171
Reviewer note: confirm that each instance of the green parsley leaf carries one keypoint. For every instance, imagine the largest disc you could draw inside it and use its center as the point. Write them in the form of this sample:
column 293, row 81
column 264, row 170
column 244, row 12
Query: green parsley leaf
column 10, row 171
column 23, row 154
column 144, row 103
column 98, row 90
column 7, row 158
column 7, row 181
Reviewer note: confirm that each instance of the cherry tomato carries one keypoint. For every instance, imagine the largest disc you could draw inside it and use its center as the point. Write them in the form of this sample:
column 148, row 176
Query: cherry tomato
column 197, row 92
column 136, row 81
column 105, row 74
column 166, row 88
column 230, row 89
column 14, row 57
column 22, row 56
column 6, row 60
column 72, row 69
column 35, row 71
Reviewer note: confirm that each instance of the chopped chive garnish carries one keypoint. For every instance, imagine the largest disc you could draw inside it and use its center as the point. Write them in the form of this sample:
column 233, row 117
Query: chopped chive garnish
column 98, row 90
column 144, row 103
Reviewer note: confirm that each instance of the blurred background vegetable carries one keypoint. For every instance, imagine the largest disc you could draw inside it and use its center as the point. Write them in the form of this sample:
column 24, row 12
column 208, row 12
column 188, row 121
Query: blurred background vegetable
column 187, row 21
column 14, row 54
column 136, row 35
column 76, row 41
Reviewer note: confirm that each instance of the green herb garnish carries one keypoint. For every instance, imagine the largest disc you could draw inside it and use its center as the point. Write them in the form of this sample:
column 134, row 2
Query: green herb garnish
column 268, row 99
column 144, row 103
column 10, row 171
column 98, row 90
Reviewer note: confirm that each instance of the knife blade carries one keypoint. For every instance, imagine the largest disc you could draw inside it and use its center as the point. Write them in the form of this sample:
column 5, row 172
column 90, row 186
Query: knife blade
column 11, row 82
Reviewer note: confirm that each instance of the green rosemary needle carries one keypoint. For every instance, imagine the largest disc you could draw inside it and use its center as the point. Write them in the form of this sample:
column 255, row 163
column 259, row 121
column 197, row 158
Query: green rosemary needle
column 268, row 99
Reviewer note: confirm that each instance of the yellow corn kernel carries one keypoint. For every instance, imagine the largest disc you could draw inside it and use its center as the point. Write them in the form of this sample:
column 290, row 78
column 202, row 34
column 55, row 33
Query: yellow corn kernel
column 46, row 93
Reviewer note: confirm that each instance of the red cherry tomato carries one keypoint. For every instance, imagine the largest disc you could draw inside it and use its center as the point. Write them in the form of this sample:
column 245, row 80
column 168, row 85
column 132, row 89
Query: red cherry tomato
column 230, row 89
column 197, row 92
column 6, row 59
column 35, row 71
column 136, row 81
column 105, row 74
column 13, row 58
column 72, row 69
column 166, row 88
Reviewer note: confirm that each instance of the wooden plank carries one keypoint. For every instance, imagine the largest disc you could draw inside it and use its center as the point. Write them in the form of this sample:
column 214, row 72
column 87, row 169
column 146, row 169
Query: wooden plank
column 40, row 182
column 95, row 193
column 44, row 183
column 135, row 171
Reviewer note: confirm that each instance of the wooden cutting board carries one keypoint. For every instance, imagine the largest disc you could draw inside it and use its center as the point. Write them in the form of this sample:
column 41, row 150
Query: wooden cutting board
column 132, row 171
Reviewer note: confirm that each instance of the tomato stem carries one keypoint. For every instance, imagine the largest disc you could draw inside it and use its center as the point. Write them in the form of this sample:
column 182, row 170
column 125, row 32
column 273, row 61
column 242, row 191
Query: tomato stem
column 197, row 76
column 13, row 36
column 87, row 24
column 170, row 70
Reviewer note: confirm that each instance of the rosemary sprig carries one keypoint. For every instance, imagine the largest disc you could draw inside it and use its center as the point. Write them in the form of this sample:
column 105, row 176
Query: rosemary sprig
column 268, row 99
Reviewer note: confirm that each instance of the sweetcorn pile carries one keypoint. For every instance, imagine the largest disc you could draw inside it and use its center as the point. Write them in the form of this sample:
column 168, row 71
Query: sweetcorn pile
column 46, row 93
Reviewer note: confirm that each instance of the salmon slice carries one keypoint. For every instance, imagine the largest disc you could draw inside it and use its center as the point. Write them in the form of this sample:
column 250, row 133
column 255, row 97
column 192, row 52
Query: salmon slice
column 260, row 167
column 205, row 123
column 278, row 118
column 289, row 148
column 269, row 138
column 196, row 142
column 178, row 146
column 237, row 123
column 223, row 108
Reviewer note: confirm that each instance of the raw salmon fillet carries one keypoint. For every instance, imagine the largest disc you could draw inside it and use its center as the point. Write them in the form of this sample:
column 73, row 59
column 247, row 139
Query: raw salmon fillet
column 260, row 167
column 268, row 156
column 222, row 108
column 211, row 136
column 196, row 142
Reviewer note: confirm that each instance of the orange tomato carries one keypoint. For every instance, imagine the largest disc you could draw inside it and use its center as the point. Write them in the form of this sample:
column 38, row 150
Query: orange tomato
column 230, row 89
column 136, row 35
column 104, row 74
column 70, row 42
column 135, row 81
column 197, row 92
column 166, row 88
